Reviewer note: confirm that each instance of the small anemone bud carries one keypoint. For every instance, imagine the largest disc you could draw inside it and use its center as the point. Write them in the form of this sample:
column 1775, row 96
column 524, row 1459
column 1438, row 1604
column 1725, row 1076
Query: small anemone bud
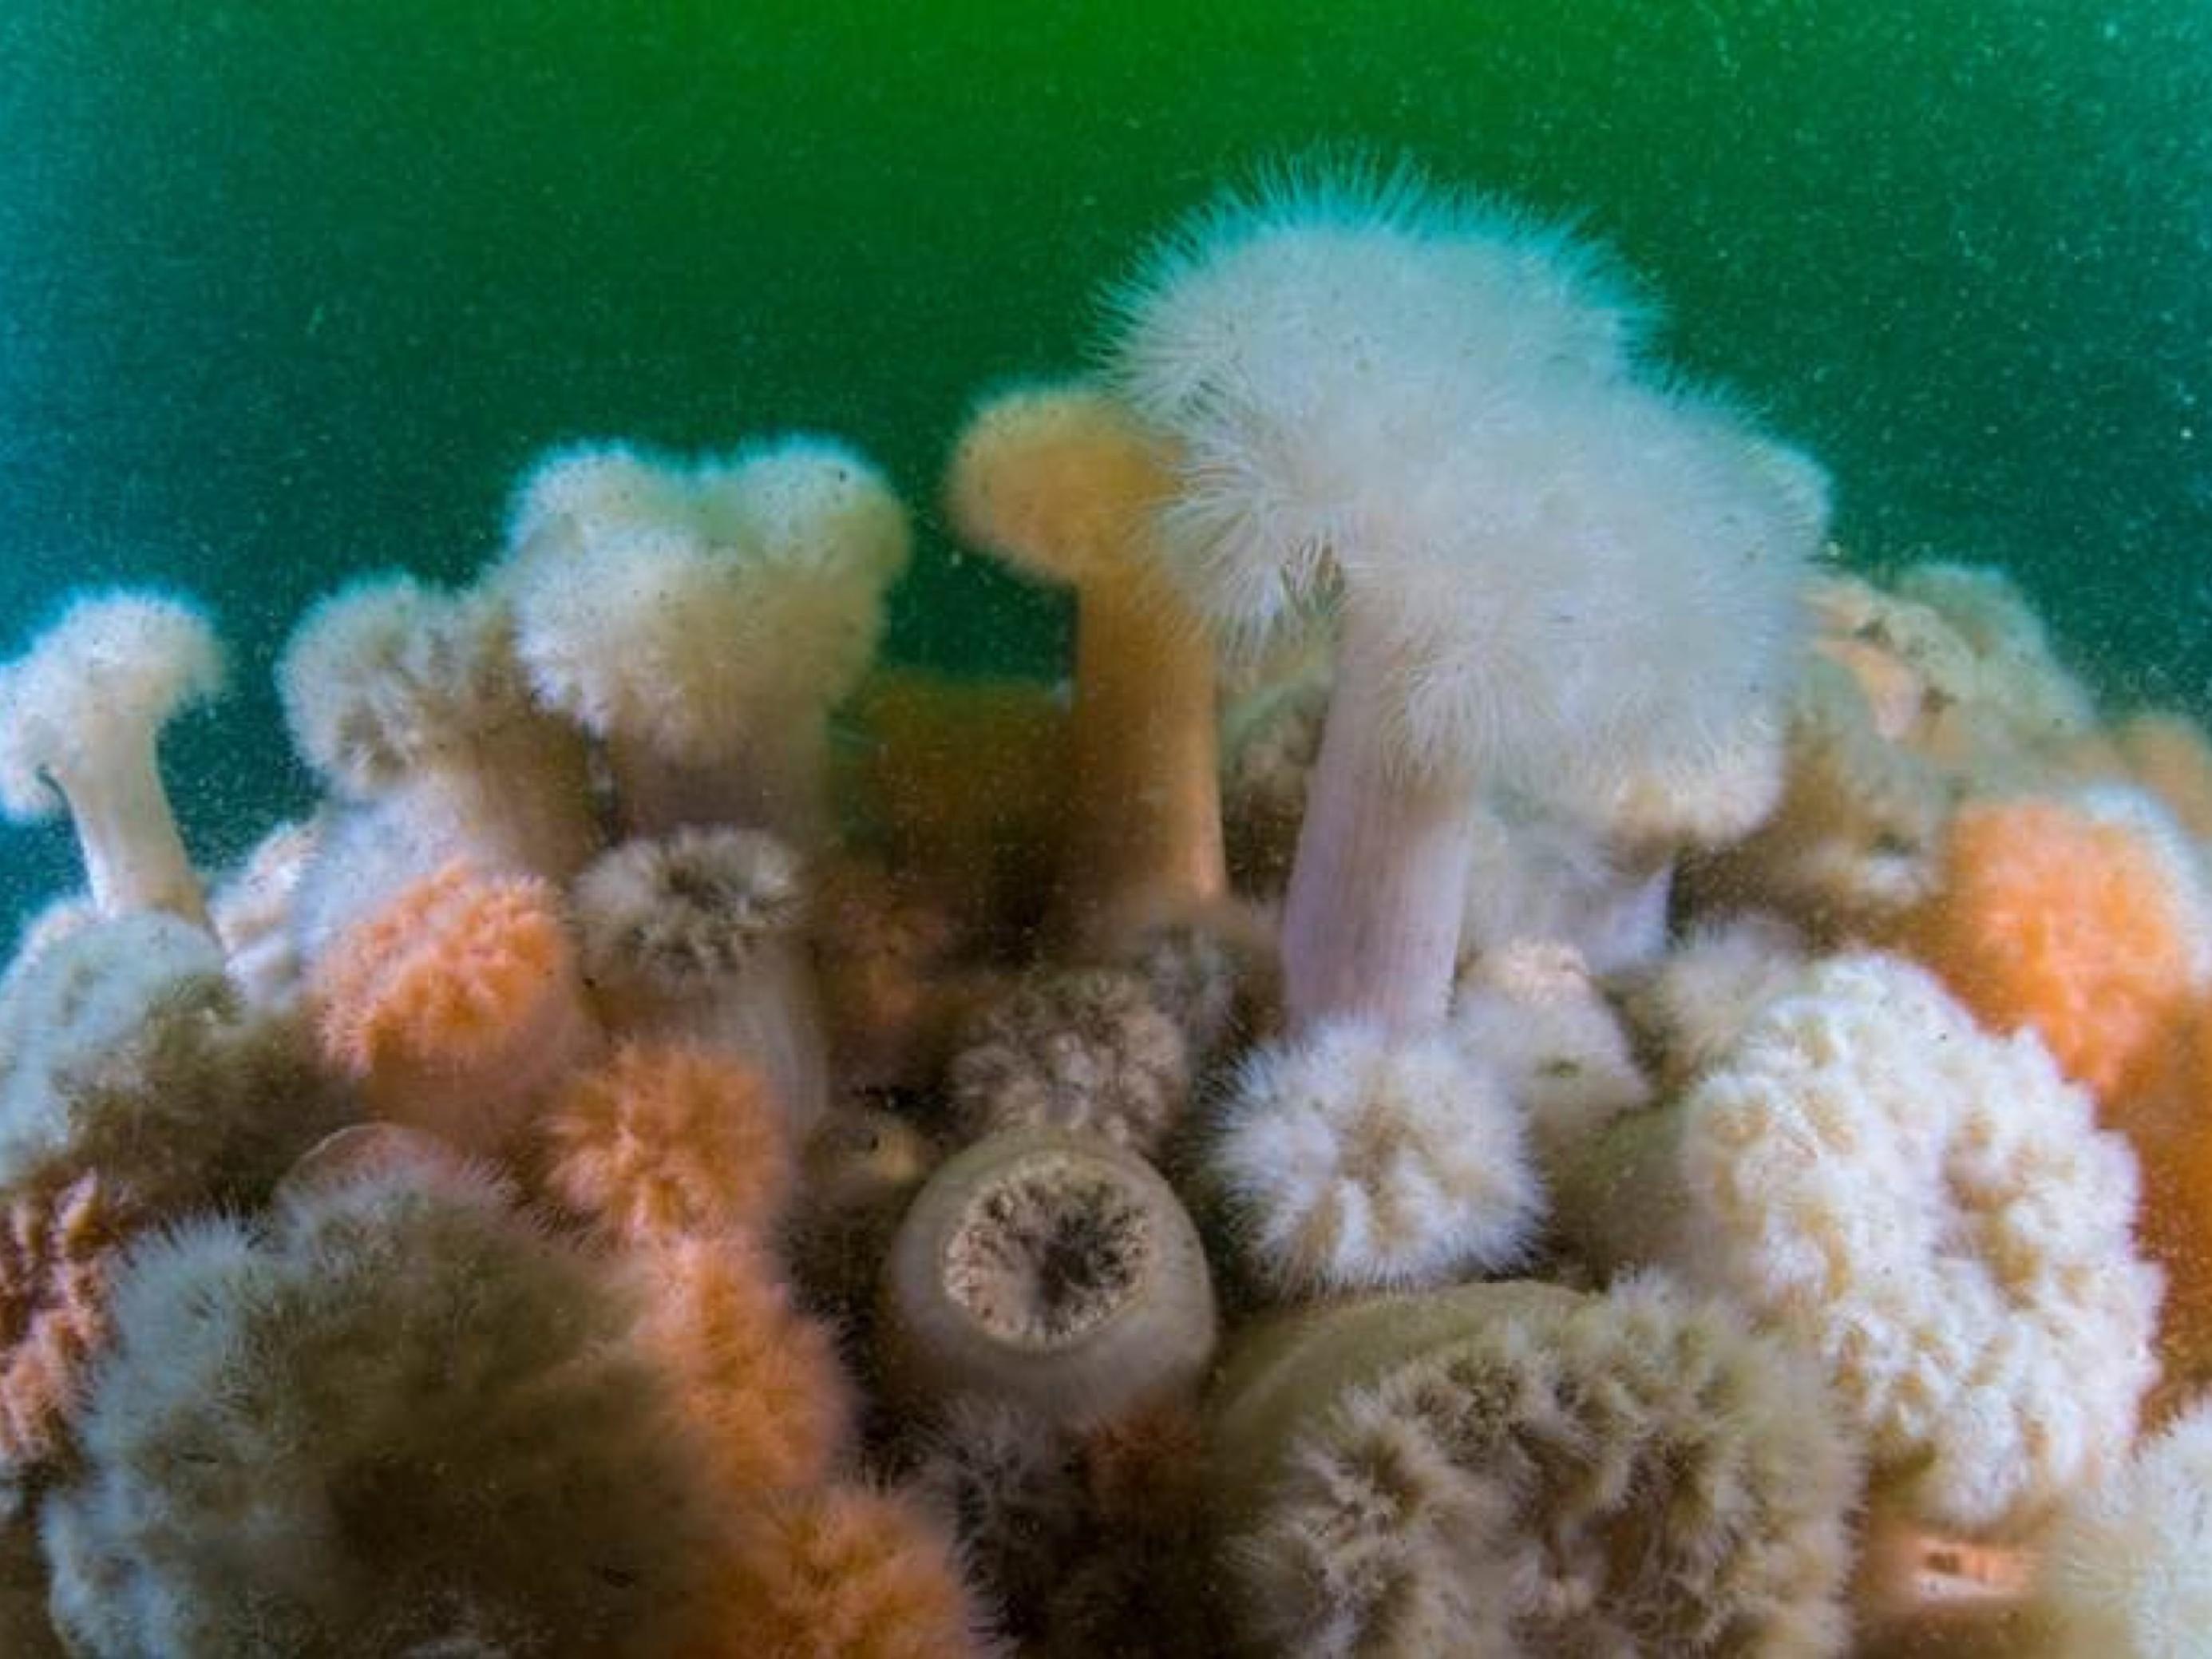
column 1536, row 1016
column 863, row 1157
column 2015, row 667
column 1688, row 1008
column 1357, row 1160
column 858, row 1173
column 1086, row 1050
column 1537, row 875
column 1922, row 1591
column 1853, row 841
column 1214, row 970
column 1056, row 1271
column 698, row 935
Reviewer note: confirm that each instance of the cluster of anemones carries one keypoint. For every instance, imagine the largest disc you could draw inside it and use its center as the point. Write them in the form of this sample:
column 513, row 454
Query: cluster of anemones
column 1514, row 1065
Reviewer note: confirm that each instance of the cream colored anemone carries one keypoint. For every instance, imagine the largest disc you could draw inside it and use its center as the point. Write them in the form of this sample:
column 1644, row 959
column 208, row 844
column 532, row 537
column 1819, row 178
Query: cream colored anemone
column 81, row 713
column 1929, row 1209
column 1517, row 1469
column 2128, row 1567
column 408, row 701
column 1087, row 1049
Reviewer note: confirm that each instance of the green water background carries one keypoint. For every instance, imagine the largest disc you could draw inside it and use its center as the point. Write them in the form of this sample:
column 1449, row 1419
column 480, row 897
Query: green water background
column 293, row 288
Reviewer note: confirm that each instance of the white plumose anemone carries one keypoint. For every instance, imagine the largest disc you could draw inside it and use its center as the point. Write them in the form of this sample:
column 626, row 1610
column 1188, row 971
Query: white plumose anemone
column 1356, row 1160
column 1424, row 413
column 1929, row 1209
column 1311, row 345
column 81, row 713
column 2128, row 1566
column 410, row 705
column 701, row 621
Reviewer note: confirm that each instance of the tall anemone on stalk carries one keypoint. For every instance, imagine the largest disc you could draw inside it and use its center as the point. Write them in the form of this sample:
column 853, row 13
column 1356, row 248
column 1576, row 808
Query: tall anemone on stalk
column 80, row 713
column 1420, row 410
column 1060, row 480
column 702, row 621
column 411, row 706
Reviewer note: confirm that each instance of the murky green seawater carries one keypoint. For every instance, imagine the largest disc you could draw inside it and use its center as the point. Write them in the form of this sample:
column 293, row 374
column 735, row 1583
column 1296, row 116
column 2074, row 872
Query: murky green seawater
column 293, row 287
